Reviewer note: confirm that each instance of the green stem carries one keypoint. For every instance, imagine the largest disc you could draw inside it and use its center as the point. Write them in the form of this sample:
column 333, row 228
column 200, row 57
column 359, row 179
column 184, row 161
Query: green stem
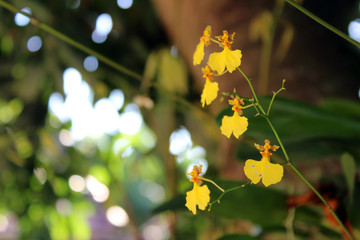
column 252, row 90
column 323, row 23
column 226, row 191
column 278, row 139
column 289, row 162
column 273, row 97
column 305, row 180
column 72, row 42
column 323, row 200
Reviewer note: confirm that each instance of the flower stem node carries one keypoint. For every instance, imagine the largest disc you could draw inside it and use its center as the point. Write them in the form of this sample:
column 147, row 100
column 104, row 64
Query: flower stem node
column 270, row 173
column 235, row 124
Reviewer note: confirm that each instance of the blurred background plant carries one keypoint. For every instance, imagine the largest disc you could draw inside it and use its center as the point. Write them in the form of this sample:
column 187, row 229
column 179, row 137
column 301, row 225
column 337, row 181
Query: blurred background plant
column 90, row 152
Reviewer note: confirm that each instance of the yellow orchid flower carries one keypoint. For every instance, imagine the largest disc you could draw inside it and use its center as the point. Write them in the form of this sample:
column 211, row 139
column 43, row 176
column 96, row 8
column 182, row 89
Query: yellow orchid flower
column 199, row 195
column 231, row 59
column 270, row 173
column 204, row 42
column 235, row 124
column 211, row 88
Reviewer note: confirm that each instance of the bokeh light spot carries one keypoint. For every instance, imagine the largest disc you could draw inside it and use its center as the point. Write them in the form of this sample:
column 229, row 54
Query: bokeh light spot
column 354, row 30
column 131, row 120
column 66, row 138
column 99, row 191
column 125, row 4
column 155, row 232
column 3, row 223
column 72, row 80
column 153, row 191
column 180, row 141
column 63, row 206
column 22, row 20
column 117, row 98
column 77, row 183
column 104, row 24
column 34, row 44
column 91, row 63
column 40, row 174
column 98, row 38
column 117, row 216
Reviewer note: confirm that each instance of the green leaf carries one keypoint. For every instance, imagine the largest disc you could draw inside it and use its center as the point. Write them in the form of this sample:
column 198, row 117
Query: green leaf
column 172, row 74
column 349, row 168
column 176, row 203
column 238, row 237
column 341, row 106
column 354, row 211
column 251, row 203
column 307, row 131
column 296, row 121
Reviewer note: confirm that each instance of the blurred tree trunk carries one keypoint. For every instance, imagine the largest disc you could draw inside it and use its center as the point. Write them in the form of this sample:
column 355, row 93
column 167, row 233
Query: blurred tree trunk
column 317, row 64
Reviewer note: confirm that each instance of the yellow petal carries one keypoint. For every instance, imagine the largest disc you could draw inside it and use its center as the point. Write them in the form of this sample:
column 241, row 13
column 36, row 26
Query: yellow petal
column 235, row 124
column 198, row 196
column 269, row 173
column 273, row 173
column 217, row 62
column 227, row 58
column 199, row 53
column 233, row 59
column 252, row 170
column 209, row 93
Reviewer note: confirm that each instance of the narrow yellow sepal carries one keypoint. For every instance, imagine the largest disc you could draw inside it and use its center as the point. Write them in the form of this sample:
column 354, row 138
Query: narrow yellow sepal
column 199, row 53
column 235, row 124
column 231, row 59
column 209, row 93
column 199, row 195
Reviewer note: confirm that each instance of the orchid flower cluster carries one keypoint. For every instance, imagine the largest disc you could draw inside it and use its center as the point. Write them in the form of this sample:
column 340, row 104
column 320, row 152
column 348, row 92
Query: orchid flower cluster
column 219, row 63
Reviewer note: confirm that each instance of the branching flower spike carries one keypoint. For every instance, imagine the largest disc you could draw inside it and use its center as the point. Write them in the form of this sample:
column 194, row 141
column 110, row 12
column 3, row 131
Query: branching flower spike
column 236, row 124
column 199, row 195
column 204, row 42
column 231, row 59
column 269, row 173
column 211, row 87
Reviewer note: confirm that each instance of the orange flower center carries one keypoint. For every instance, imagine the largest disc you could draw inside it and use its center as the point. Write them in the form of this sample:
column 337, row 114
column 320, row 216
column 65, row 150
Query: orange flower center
column 197, row 170
column 237, row 102
column 208, row 73
column 226, row 39
column 264, row 150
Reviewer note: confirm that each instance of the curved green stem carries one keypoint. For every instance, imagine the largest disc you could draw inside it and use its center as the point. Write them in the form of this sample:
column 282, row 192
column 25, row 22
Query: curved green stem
column 323, row 23
column 252, row 90
column 287, row 157
column 273, row 97
column 323, row 200
column 278, row 139
column 226, row 191
column 211, row 181
column 72, row 42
